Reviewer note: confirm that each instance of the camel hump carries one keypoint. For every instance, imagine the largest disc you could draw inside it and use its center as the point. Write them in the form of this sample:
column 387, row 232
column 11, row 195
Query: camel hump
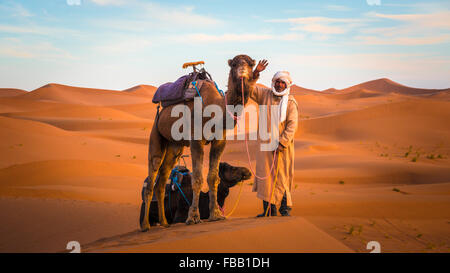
column 186, row 65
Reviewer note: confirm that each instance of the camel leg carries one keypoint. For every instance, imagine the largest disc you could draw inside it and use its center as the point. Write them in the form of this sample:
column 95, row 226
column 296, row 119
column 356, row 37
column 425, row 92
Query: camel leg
column 215, row 154
column 172, row 154
column 156, row 152
column 197, row 181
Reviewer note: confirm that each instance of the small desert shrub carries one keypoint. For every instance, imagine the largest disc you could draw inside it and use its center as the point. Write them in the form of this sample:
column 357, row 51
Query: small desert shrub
column 409, row 151
column 355, row 230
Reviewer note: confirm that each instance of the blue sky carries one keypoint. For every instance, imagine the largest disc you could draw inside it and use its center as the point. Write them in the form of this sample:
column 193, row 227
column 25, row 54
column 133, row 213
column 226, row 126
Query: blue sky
column 116, row 44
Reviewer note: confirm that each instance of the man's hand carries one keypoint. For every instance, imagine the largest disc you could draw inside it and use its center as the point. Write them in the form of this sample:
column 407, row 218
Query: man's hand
column 280, row 148
column 261, row 66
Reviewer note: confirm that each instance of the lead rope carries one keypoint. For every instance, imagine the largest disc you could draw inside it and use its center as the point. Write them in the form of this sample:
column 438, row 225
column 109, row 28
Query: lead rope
column 249, row 161
column 273, row 162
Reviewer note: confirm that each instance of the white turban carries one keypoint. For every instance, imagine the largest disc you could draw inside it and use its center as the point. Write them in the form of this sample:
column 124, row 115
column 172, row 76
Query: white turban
column 286, row 78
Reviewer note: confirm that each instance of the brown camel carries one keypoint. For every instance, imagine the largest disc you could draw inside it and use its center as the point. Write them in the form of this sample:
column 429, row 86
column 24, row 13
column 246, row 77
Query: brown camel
column 164, row 151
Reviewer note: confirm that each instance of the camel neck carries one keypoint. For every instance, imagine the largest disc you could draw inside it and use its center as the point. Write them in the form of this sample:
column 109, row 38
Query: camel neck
column 235, row 93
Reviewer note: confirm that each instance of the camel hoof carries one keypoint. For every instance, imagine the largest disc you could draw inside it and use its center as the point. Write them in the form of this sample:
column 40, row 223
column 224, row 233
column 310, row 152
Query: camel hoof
column 216, row 216
column 212, row 219
column 145, row 228
column 165, row 225
column 195, row 219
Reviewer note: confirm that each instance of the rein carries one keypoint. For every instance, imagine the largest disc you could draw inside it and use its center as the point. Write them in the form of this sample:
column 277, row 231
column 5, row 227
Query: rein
column 236, row 118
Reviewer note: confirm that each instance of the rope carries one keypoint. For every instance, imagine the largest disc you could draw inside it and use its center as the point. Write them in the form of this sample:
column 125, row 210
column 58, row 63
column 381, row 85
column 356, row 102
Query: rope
column 194, row 83
column 174, row 180
column 219, row 90
column 246, row 145
column 235, row 204
column 269, row 207
column 249, row 163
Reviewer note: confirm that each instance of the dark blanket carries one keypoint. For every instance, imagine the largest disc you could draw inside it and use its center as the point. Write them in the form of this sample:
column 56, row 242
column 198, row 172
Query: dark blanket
column 171, row 91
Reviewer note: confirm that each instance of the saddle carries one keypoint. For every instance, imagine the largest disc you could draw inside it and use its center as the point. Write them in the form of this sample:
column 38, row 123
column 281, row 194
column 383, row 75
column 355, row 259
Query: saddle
column 184, row 88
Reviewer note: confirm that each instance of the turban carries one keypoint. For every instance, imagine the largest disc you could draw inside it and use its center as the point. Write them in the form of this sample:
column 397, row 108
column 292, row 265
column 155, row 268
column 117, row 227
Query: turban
column 284, row 76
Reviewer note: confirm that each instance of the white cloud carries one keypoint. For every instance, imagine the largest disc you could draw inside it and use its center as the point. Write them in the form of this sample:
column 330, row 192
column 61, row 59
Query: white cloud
column 14, row 47
column 123, row 45
column 387, row 62
column 36, row 29
column 110, row 2
column 429, row 20
column 409, row 41
column 321, row 28
column 181, row 16
column 149, row 16
column 373, row 2
column 323, row 25
column 73, row 2
column 411, row 29
column 338, row 8
column 232, row 37
column 15, row 10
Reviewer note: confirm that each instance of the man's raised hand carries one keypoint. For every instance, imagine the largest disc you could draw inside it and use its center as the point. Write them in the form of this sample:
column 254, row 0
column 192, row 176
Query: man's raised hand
column 261, row 66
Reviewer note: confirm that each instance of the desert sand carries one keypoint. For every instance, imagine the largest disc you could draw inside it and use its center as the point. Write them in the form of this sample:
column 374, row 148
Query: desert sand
column 372, row 164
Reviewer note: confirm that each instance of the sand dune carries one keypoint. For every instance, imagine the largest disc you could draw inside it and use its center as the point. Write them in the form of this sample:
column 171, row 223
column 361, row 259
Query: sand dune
column 357, row 94
column 313, row 106
column 74, row 179
column 298, row 90
column 12, row 104
column 77, row 111
column 83, row 96
column 387, row 86
column 415, row 121
column 248, row 232
column 443, row 95
column 26, row 141
column 372, row 163
column 361, row 169
column 10, row 92
column 142, row 90
column 91, row 124
column 143, row 110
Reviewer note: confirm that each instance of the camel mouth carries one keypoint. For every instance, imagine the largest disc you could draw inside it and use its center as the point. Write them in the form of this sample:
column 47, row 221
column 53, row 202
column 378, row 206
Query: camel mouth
column 242, row 74
column 247, row 175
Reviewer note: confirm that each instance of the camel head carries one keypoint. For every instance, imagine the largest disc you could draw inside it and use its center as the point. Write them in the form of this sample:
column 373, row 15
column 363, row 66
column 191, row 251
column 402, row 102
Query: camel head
column 241, row 67
column 231, row 175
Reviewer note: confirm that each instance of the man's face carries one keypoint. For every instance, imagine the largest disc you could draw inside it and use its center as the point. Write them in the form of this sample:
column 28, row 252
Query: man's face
column 280, row 85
